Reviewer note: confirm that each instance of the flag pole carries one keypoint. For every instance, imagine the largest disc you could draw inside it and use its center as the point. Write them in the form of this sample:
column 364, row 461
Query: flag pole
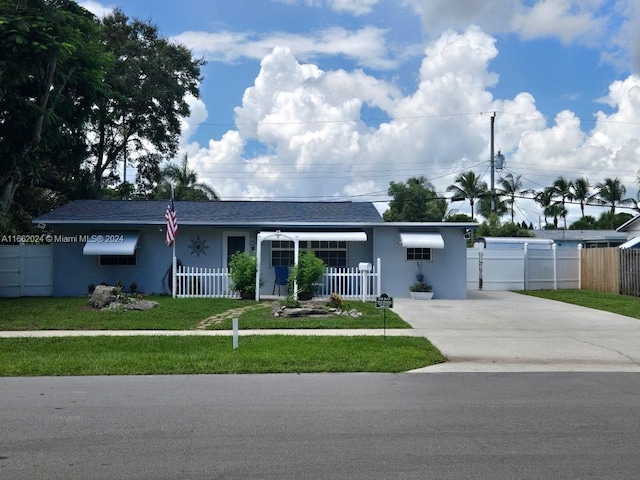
column 174, row 263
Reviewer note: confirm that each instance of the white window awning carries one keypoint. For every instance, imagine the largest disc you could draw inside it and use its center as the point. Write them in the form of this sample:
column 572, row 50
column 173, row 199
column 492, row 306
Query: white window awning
column 421, row 240
column 630, row 243
column 313, row 236
column 111, row 243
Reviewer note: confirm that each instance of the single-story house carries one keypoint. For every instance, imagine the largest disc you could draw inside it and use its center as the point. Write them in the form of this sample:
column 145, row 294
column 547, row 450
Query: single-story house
column 586, row 238
column 96, row 241
column 631, row 228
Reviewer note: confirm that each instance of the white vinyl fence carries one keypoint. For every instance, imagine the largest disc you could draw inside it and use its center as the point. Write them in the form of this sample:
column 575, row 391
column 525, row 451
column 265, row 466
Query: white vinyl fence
column 194, row 282
column 526, row 269
column 26, row 270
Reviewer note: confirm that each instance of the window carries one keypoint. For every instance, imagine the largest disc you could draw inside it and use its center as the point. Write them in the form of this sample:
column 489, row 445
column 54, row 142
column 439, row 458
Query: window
column 418, row 254
column 281, row 253
column 118, row 260
column 332, row 253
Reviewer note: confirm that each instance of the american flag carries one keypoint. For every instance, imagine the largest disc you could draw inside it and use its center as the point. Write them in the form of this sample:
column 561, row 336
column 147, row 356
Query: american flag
column 172, row 222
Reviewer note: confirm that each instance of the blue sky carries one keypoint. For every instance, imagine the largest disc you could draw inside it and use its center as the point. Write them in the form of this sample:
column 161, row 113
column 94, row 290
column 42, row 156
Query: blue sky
column 333, row 99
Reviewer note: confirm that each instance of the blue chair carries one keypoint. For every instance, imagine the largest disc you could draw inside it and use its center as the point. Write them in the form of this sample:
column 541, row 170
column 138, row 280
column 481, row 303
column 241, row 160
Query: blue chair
column 282, row 278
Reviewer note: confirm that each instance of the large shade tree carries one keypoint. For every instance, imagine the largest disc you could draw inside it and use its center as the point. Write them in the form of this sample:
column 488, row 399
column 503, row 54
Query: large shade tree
column 150, row 79
column 51, row 72
column 415, row 201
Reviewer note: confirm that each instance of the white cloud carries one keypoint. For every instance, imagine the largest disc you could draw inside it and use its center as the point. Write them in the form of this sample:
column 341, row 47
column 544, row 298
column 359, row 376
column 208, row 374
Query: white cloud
column 366, row 46
column 566, row 20
column 97, row 8
column 313, row 142
column 353, row 7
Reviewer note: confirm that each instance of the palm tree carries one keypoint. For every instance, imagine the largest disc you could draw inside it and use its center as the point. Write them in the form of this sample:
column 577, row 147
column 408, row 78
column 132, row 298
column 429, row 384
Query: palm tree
column 467, row 186
column 563, row 189
column 511, row 187
column 555, row 210
column 611, row 192
column 581, row 191
column 543, row 199
column 186, row 185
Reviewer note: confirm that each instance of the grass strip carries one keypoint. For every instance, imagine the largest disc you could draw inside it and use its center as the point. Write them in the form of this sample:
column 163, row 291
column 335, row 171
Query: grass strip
column 138, row 355
column 372, row 317
column 608, row 302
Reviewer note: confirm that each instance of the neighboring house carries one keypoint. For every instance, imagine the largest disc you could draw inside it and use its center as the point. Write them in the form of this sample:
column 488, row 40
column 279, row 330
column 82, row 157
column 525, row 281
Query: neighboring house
column 631, row 230
column 586, row 238
column 97, row 241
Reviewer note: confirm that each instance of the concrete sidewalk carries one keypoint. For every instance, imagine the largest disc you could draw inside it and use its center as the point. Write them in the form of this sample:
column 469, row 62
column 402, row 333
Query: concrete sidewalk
column 365, row 332
column 506, row 332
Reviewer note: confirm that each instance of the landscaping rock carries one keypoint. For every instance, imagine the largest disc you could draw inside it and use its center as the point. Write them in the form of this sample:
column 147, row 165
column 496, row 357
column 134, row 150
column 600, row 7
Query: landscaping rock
column 132, row 304
column 102, row 296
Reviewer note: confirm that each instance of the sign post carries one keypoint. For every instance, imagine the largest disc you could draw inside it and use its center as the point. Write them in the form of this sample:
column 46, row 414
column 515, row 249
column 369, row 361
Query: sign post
column 384, row 301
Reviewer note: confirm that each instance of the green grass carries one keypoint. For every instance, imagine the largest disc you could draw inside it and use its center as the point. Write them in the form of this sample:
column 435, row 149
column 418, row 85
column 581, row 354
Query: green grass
column 372, row 317
column 143, row 355
column 72, row 313
column 609, row 302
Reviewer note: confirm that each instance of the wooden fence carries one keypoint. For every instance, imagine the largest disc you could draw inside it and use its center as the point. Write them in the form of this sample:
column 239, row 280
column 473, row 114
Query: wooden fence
column 600, row 269
column 611, row 270
column 630, row 271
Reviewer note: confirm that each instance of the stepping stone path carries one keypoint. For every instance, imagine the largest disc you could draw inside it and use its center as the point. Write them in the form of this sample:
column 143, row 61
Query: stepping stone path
column 233, row 313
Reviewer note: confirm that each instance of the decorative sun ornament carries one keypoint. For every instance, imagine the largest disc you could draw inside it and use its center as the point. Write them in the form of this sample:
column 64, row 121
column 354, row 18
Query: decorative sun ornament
column 198, row 246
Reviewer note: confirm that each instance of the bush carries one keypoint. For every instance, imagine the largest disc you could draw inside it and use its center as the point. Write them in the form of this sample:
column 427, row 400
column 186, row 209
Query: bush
column 308, row 271
column 243, row 268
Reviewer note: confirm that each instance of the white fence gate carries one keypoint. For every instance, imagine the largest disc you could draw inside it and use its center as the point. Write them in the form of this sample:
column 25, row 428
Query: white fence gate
column 26, row 270
column 526, row 269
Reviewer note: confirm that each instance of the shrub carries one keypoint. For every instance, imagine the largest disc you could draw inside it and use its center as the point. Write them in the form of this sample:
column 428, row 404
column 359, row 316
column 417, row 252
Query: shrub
column 308, row 271
column 243, row 268
column 335, row 301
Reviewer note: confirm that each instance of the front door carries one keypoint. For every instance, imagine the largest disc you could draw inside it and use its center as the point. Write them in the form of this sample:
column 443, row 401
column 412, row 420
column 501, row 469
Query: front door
column 234, row 243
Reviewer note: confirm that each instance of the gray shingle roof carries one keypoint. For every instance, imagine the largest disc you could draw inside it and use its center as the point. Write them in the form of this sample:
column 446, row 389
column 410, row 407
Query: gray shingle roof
column 123, row 212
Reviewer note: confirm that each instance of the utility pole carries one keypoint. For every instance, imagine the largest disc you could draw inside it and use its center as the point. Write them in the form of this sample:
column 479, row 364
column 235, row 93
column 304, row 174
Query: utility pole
column 493, row 164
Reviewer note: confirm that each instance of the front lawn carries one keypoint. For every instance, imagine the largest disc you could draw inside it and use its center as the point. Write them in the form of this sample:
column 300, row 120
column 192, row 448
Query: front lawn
column 72, row 313
column 609, row 302
column 156, row 355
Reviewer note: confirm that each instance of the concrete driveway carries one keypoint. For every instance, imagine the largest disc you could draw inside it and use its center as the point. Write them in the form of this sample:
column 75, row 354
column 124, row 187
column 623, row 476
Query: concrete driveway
column 507, row 332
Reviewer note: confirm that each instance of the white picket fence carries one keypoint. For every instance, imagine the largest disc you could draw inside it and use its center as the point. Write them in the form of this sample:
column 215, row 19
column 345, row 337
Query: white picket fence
column 199, row 282
column 351, row 283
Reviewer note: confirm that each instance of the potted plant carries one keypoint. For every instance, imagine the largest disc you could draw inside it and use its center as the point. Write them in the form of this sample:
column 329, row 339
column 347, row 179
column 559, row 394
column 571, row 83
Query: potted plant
column 308, row 271
column 421, row 290
column 242, row 269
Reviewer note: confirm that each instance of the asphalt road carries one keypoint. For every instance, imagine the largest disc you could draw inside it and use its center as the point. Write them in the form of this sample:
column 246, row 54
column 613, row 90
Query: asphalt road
column 330, row 426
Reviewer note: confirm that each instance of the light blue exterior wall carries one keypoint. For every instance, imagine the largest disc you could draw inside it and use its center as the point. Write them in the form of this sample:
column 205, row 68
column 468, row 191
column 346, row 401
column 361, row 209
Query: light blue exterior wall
column 73, row 271
column 447, row 271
